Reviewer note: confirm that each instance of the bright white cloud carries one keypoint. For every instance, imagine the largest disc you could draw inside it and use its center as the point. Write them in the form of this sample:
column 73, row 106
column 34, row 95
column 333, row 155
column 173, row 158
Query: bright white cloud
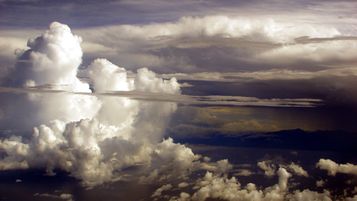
column 269, row 168
column 333, row 168
column 108, row 77
column 97, row 142
column 213, row 186
column 118, row 133
column 217, row 187
column 52, row 60
column 328, row 52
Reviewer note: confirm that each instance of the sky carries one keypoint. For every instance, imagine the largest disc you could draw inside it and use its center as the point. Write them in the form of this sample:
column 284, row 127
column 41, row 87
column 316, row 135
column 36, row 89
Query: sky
column 189, row 100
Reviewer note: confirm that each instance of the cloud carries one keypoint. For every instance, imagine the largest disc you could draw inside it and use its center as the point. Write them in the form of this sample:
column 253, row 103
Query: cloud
column 272, row 74
column 333, row 168
column 159, row 191
column 52, row 59
column 216, row 187
column 334, row 86
column 27, row 13
column 106, row 76
column 268, row 168
column 224, row 26
column 146, row 80
column 297, row 169
column 328, row 53
column 93, row 130
column 320, row 183
column 183, row 185
column 95, row 143
column 243, row 172
column 8, row 48
column 220, row 41
column 310, row 195
column 62, row 196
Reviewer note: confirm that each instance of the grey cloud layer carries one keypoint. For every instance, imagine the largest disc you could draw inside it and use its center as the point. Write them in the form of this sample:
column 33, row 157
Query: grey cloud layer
column 222, row 42
column 312, row 59
column 29, row 13
column 227, row 43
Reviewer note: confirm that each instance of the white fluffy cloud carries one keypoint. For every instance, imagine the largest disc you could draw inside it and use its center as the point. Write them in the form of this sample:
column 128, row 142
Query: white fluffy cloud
column 213, row 186
column 269, row 168
column 333, row 168
column 93, row 142
column 108, row 77
column 52, row 60
column 218, row 187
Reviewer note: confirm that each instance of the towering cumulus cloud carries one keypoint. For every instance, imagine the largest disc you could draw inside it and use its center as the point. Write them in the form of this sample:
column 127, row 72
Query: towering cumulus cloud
column 52, row 61
column 53, row 58
column 91, row 136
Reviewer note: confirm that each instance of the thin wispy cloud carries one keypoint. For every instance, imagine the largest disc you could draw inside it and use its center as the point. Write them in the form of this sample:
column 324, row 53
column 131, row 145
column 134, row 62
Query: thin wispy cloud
column 177, row 98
